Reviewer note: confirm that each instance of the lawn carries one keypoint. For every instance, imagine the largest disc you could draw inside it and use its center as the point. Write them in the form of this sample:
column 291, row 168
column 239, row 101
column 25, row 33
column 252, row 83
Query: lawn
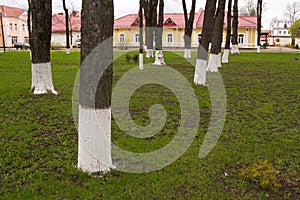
column 256, row 157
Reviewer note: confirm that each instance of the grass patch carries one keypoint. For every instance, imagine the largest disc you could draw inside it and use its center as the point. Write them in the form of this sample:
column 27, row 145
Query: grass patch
column 38, row 137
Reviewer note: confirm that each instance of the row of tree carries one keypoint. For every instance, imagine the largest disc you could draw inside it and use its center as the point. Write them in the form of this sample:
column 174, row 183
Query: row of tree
column 94, row 150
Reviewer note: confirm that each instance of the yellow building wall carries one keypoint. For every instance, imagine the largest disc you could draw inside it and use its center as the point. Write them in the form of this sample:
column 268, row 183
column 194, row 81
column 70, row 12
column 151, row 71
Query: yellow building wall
column 249, row 39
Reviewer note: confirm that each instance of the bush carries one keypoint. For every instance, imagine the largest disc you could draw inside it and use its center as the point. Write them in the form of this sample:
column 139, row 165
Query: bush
column 297, row 47
column 136, row 58
column 262, row 174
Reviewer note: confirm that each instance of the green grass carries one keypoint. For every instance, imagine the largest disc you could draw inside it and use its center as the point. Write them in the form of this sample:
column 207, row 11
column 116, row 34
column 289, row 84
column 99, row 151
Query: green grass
column 38, row 138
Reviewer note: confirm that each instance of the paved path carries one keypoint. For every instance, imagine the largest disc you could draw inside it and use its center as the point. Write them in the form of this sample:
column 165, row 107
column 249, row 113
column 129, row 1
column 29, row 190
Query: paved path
column 280, row 50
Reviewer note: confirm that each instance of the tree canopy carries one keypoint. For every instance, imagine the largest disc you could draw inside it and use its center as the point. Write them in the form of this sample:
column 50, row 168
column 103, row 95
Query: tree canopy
column 295, row 29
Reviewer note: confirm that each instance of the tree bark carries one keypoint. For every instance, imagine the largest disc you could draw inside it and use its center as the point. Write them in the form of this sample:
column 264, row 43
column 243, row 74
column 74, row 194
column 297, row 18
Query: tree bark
column 225, row 58
column 150, row 11
column 235, row 50
column 94, row 149
column 159, row 56
column 67, row 27
column 208, row 25
column 259, row 16
column 189, row 22
column 141, row 56
column 41, row 11
column 215, row 56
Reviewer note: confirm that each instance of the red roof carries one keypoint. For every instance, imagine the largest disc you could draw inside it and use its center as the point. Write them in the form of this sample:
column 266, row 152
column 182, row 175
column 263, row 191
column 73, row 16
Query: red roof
column 8, row 11
column 58, row 22
column 127, row 21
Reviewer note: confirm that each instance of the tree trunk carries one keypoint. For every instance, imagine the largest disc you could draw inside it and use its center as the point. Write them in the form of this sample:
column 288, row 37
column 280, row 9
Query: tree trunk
column 159, row 56
column 235, row 48
column 29, row 24
column 189, row 22
column 215, row 52
column 141, row 56
column 225, row 58
column 67, row 27
column 40, row 46
column 94, row 147
column 148, row 6
column 259, row 15
column 208, row 25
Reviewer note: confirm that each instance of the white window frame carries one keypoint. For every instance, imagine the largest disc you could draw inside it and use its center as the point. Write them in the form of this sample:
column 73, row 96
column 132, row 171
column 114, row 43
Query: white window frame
column 136, row 37
column 172, row 38
column 239, row 38
column 121, row 34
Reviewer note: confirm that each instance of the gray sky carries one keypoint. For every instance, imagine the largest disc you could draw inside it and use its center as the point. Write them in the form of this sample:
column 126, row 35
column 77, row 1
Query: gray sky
column 274, row 8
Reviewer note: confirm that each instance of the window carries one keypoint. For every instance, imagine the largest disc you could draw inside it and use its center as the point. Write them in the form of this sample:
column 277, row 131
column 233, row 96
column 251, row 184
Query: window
column 16, row 27
column 14, row 39
column 23, row 27
column 26, row 39
column 170, row 38
column 122, row 38
column 169, row 21
column 279, row 32
column 241, row 39
column 136, row 38
column 11, row 26
column 284, row 32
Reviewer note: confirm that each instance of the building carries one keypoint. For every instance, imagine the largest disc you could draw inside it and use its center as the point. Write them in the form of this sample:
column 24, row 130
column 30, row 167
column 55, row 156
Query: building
column 126, row 30
column 58, row 37
column 280, row 35
column 14, row 26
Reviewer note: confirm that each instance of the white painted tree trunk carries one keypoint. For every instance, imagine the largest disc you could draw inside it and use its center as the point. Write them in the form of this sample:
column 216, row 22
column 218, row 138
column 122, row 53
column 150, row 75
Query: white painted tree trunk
column 225, row 58
column 235, row 50
column 258, row 49
column 213, row 63
column 68, row 51
column 141, row 61
column 149, row 53
column 219, row 60
column 42, row 78
column 159, row 58
column 200, row 72
column 187, row 53
column 94, row 144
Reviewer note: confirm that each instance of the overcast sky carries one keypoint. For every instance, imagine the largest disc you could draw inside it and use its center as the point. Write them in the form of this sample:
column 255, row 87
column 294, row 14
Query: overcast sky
column 274, row 8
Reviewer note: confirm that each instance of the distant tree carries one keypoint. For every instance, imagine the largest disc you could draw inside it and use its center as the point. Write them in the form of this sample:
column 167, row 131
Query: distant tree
column 292, row 12
column 67, row 27
column 275, row 22
column 94, row 127
column 217, row 35
column 208, row 26
column 141, row 55
column 225, row 58
column 259, row 17
column 189, row 22
column 159, row 56
column 41, row 12
column 295, row 31
column 249, row 9
column 235, row 24
column 29, row 18
column 150, row 10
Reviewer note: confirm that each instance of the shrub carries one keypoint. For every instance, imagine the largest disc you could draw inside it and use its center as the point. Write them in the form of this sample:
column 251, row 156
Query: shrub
column 128, row 58
column 262, row 174
column 136, row 58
